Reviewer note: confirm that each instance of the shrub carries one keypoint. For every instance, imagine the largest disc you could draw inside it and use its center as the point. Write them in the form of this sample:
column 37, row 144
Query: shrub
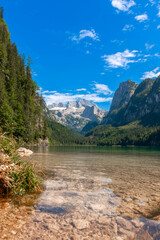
column 17, row 175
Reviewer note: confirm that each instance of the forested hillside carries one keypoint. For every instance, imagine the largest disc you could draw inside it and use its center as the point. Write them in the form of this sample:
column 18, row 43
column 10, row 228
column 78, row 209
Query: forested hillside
column 20, row 105
column 130, row 134
column 134, row 117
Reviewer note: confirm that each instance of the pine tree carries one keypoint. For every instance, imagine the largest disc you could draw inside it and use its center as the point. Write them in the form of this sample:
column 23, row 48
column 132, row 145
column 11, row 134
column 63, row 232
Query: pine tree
column 21, row 108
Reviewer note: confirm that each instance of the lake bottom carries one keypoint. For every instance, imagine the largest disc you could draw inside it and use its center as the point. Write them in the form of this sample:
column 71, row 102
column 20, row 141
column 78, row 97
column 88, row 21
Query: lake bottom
column 95, row 195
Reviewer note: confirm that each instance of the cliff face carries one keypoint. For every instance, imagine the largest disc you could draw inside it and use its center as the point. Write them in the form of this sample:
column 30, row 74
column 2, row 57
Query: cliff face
column 139, row 105
column 121, row 98
column 143, row 103
column 123, row 94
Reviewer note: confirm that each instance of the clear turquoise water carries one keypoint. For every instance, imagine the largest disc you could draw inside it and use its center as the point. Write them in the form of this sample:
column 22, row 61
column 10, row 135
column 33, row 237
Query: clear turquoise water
column 96, row 181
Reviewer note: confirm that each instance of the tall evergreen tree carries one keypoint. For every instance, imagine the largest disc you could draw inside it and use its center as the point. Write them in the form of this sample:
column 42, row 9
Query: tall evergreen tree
column 21, row 109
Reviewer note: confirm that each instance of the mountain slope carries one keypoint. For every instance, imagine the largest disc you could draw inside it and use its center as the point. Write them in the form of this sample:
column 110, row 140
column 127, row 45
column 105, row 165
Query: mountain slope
column 59, row 134
column 144, row 102
column 89, row 126
column 131, row 134
column 134, row 123
column 123, row 94
column 76, row 114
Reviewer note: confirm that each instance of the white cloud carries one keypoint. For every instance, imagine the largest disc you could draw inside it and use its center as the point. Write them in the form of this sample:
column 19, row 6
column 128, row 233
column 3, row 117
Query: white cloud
column 85, row 34
column 152, row 2
column 156, row 55
column 121, row 59
column 158, row 14
column 142, row 18
column 158, row 27
column 102, row 89
column 149, row 46
column 119, row 42
column 34, row 74
column 128, row 27
column 48, row 92
column 152, row 74
column 81, row 89
column 68, row 97
column 95, row 96
column 123, row 5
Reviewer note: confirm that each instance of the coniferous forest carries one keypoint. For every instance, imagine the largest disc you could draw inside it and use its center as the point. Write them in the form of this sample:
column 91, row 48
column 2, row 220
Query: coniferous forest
column 21, row 107
column 24, row 114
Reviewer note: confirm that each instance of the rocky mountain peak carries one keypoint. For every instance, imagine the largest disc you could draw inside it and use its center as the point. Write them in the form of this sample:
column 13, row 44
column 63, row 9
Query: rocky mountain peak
column 123, row 94
column 76, row 114
column 141, row 103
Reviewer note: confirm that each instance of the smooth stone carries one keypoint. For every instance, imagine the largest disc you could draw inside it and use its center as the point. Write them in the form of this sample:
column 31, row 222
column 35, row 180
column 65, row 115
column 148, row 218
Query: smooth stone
column 81, row 224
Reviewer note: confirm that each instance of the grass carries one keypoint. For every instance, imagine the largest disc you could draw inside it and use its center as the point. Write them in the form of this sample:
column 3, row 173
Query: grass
column 17, row 175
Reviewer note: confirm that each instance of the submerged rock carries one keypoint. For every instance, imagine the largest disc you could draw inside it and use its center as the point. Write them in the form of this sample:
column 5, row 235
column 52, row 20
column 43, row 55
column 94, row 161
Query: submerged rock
column 81, row 224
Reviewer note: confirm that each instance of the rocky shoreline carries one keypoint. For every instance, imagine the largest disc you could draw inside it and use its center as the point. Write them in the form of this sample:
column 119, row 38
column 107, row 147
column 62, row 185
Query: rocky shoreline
column 84, row 218
column 83, row 205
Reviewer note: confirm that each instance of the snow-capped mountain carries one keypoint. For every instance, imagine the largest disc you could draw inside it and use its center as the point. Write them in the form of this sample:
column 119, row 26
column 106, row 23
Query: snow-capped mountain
column 76, row 114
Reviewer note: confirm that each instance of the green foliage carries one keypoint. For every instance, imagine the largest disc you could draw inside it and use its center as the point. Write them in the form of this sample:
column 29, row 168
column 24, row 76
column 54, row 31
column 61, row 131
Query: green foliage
column 131, row 134
column 59, row 134
column 7, row 145
column 18, row 176
column 24, row 180
column 89, row 126
column 21, row 111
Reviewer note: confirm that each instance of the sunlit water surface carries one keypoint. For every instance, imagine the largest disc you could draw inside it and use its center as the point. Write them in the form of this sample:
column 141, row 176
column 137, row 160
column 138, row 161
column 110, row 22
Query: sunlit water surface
column 97, row 193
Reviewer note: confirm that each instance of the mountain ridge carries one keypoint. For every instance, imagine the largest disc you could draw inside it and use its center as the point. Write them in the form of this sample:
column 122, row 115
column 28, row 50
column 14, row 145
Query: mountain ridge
column 76, row 114
column 144, row 100
column 134, row 123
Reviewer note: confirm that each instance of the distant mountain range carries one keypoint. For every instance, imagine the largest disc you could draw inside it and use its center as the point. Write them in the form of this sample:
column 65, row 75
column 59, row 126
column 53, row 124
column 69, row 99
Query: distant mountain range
column 76, row 114
column 133, row 118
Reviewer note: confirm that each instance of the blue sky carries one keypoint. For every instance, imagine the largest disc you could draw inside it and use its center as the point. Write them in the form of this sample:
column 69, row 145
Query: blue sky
column 85, row 48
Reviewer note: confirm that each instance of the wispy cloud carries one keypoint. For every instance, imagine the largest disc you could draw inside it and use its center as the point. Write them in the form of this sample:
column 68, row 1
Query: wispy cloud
column 152, row 74
column 123, row 5
column 68, row 97
column 158, row 14
column 34, row 74
column 81, row 89
column 102, row 89
column 128, row 27
column 149, row 46
column 158, row 27
column 152, row 2
column 121, row 59
column 48, row 92
column 118, row 42
column 141, row 18
column 99, row 93
column 85, row 34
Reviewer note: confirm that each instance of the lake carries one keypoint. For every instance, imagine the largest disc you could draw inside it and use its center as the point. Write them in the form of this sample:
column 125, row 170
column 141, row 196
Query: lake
column 96, row 193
